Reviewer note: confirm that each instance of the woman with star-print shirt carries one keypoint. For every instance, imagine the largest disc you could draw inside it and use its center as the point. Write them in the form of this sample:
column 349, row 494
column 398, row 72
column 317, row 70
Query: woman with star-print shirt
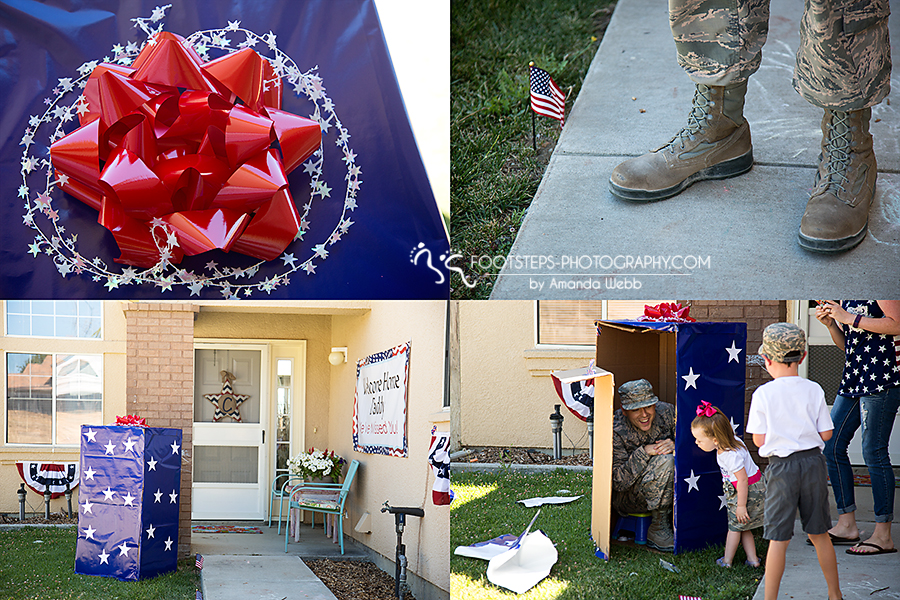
column 869, row 395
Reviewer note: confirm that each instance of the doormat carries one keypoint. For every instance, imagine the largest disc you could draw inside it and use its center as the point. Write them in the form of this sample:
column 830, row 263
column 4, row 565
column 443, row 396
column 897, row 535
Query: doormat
column 224, row 529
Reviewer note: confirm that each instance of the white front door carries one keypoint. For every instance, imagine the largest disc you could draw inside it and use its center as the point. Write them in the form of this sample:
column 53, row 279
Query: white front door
column 230, row 457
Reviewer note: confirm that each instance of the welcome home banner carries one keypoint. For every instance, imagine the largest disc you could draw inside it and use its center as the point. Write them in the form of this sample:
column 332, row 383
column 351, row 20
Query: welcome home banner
column 379, row 405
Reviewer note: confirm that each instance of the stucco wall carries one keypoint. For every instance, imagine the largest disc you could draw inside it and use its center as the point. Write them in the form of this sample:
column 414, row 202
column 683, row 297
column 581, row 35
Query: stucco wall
column 112, row 346
column 401, row 481
column 506, row 393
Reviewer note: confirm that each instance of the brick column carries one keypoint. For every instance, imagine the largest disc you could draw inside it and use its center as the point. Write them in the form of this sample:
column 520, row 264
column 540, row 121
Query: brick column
column 757, row 315
column 160, row 382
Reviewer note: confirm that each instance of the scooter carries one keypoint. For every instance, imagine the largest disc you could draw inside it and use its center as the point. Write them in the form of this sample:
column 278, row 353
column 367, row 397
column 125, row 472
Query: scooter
column 400, row 512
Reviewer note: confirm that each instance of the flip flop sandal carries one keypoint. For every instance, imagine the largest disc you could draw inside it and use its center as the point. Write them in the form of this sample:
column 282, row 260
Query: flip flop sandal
column 837, row 540
column 755, row 565
column 721, row 562
column 878, row 549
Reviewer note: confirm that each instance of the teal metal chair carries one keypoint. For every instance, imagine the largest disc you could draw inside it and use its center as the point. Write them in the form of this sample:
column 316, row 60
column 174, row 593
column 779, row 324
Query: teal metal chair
column 280, row 490
column 315, row 498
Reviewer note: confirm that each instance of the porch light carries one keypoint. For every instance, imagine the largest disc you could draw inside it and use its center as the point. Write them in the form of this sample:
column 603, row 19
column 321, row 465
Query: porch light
column 338, row 356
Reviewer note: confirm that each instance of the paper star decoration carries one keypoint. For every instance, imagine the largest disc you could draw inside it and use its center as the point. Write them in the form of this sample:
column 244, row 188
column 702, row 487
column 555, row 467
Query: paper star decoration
column 692, row 481
column 690, row 379
column 227, row 403
column 733, row 353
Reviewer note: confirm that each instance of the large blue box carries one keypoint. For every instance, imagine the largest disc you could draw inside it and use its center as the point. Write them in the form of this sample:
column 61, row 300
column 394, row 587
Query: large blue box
column 128, row 501
column 686, row 363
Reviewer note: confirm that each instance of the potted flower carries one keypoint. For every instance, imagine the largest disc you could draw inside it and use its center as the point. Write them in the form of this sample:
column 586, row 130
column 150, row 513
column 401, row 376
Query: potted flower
column 317, row 464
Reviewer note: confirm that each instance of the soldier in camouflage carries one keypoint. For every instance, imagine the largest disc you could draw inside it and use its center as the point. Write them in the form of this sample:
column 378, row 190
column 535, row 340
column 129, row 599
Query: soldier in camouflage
column 644, row 460
column 843, row 66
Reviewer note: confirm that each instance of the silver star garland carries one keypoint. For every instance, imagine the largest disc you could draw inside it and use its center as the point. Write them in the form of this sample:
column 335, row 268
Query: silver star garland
column 164, row 274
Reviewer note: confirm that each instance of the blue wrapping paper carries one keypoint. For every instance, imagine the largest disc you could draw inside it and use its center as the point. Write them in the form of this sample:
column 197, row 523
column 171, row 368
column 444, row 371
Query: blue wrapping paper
column 396, row 218
column 710, row 364
column 128, row 502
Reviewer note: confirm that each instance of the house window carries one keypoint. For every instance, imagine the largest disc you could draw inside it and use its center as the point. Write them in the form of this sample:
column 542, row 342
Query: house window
column 50, row 396
column 54, row 318
column 285, row 370
column 571, row 322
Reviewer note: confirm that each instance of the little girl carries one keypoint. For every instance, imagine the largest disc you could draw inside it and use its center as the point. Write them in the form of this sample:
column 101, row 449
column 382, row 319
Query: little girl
column 745, row 491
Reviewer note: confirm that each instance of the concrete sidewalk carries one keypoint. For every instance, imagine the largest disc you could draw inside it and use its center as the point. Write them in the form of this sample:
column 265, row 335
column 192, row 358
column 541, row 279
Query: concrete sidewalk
column 861, row 577
column 239, row 566
column 737, row 237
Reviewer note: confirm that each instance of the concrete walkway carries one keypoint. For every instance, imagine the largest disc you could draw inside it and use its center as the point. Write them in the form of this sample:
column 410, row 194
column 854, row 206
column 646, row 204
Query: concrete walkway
column 737, row 237
column 238, row 566
column 861, row 577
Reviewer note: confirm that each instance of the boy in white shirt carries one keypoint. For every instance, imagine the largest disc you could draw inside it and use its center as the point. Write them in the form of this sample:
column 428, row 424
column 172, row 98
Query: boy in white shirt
column 790, row 423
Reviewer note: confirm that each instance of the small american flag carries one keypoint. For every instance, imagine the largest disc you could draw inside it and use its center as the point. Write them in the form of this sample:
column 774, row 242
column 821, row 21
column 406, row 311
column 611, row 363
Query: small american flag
column 199, row 562
column 689, row 598
column 546, row 97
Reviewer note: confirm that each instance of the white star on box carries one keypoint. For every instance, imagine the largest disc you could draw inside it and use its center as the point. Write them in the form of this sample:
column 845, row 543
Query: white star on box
column 733, row 353
column 690, row 379
column 123, row 549
column 109, row 494
column 91, row 435
column 174, row 447
column 157, row 496
column 151, row 464
column 89, row 474
column 150, row 531
column 692, row 481
column 169, row 543
column 129, row 444
column 109, row 447
column 722, row 500
column 88, row 507
column 129, row 499
column 104, row 557
column 173, row 497
column 89, row 533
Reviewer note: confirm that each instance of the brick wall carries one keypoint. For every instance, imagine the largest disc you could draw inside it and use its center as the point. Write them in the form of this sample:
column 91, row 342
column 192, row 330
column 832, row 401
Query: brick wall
column 757, row 315
column 160, row 382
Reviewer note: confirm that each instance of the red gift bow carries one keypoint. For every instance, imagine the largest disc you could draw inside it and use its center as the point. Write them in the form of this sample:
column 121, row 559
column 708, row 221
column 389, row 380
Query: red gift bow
column 131, row 420
column 668, row 311
column 706, row 409
column 202, row 161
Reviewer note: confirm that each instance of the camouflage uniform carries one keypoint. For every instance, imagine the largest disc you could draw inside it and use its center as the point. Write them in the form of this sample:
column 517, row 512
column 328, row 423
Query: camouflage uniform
column 641, row 482
column 843, row 62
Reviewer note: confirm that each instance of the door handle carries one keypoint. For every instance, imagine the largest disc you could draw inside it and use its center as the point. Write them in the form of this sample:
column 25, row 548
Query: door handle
column 264, row 436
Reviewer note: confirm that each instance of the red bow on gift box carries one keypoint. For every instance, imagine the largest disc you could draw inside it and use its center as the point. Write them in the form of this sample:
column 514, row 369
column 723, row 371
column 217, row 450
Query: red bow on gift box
column 202, row 149
column 132, row 420
column 668, row 311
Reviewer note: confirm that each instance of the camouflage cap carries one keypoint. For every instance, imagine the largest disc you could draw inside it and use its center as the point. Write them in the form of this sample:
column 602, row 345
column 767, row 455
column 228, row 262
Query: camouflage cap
column 637, row 394
column 783, row 342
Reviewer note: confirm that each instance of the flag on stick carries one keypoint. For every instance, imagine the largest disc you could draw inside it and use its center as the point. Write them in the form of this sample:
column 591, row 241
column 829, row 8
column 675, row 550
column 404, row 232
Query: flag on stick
column 199, row 562
column 546, row 97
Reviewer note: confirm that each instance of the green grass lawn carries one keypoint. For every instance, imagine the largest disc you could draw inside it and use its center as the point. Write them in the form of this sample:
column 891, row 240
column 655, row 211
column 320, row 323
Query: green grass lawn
column 485, row 507
column 39, row 563
column 494, row 171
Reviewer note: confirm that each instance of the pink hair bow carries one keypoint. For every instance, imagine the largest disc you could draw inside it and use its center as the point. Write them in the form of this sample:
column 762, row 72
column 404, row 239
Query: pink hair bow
column 706, row 409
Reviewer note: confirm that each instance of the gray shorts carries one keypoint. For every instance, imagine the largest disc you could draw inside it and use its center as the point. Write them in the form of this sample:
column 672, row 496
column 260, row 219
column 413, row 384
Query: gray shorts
column 796, row 481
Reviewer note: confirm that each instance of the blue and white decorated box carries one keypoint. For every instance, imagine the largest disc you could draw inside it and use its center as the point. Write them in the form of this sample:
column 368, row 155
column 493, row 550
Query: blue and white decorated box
column 128, row 501
column 685, row 363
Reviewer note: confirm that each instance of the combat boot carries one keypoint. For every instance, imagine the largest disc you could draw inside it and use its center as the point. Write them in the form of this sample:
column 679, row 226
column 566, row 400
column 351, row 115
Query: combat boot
column 660, row 535
column 837, row 214
column 715, row 144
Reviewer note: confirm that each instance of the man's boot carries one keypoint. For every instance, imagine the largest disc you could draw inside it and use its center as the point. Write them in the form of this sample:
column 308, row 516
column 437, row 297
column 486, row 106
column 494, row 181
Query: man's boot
column 660, row 535
column 715, row 144
column 837, row 213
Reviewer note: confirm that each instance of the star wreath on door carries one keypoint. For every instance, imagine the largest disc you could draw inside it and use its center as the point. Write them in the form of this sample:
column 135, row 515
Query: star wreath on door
column 227, row 403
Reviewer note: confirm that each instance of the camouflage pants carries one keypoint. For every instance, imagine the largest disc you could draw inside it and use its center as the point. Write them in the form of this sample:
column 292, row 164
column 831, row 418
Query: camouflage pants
column 655, row 489
column 756, row 503
column 843, row 61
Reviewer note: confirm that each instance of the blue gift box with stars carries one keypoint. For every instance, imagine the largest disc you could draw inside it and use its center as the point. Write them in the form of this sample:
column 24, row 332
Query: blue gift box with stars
column 693, row 362
column 128, row 501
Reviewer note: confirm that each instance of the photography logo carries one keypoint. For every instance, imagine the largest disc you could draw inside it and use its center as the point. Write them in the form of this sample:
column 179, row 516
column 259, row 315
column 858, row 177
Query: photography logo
column 446, row 261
